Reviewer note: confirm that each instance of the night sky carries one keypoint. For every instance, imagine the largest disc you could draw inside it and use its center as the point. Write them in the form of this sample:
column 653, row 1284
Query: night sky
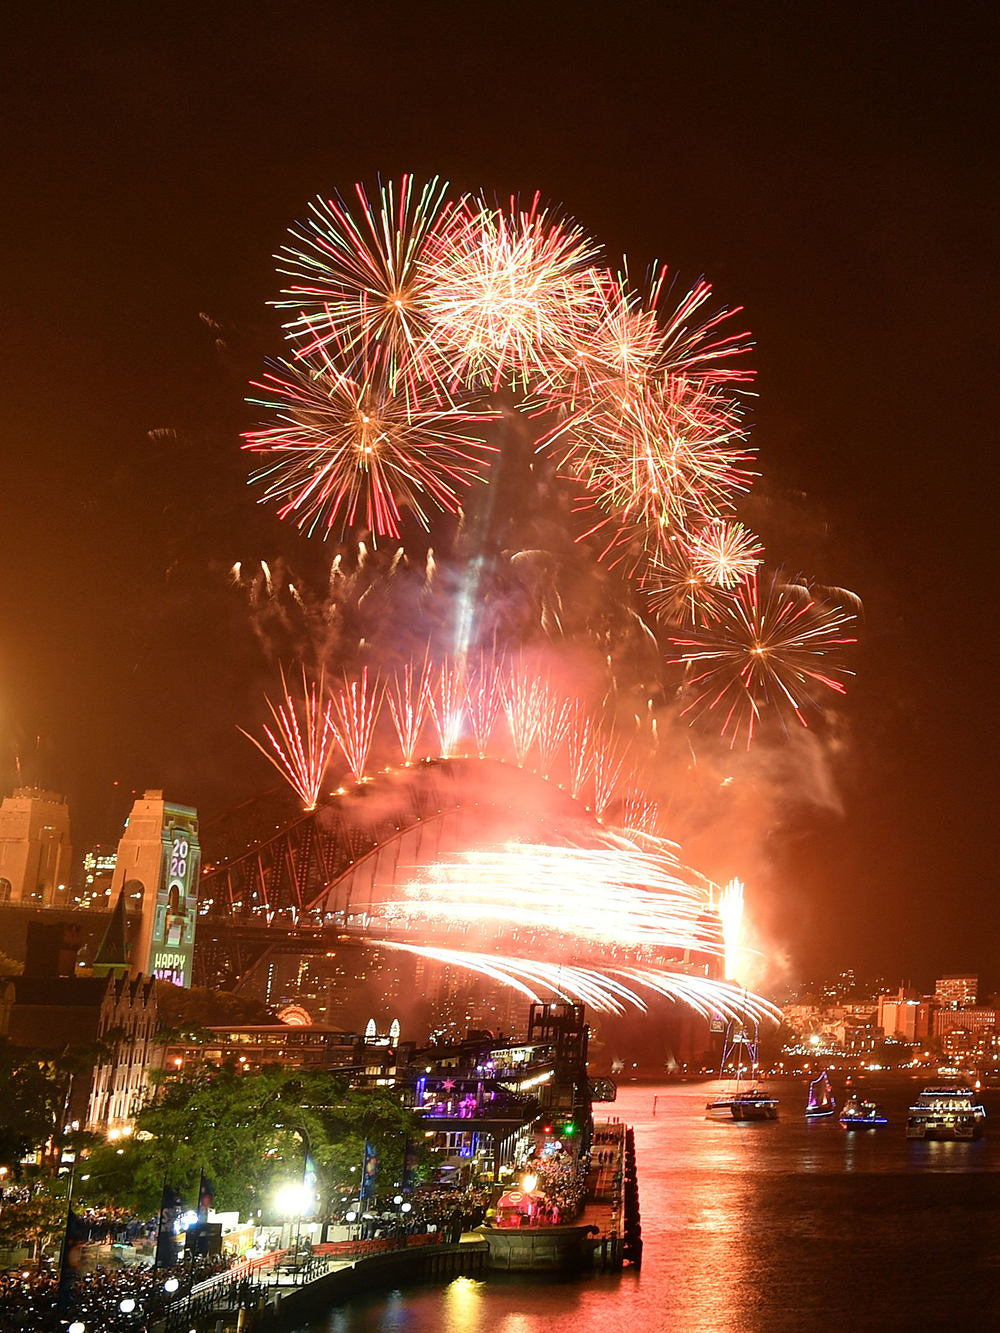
column 827, row 167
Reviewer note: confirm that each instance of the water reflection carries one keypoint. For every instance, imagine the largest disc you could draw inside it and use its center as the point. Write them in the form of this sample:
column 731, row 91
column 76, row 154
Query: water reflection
column 756, row 1228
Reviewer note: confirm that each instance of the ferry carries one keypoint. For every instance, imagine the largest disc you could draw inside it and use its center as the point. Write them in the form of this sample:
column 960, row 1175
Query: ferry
column 860, row 1113
column 946, row 1111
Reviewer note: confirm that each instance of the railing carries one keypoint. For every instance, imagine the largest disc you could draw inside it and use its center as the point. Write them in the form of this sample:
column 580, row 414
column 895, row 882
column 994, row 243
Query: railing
column 243, row 1285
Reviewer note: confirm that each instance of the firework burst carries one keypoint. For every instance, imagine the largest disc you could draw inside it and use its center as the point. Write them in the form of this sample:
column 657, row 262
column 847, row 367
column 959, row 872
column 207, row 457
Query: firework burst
column 665, row 456
column 522, row 701
column 300, row 751
column 483, row 700
column 676, row 591
column 769, row 648
column 447, row 707
column 408, row 697
column 555, row 716
column 505, row 290
column 580, row 748
column 355, row 711
column 346, row 450
column 358, row 281
column 724, row 553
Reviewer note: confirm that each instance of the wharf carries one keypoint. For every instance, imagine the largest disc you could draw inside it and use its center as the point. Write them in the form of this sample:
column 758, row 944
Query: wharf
column 283, row 1296
column 273, row 1294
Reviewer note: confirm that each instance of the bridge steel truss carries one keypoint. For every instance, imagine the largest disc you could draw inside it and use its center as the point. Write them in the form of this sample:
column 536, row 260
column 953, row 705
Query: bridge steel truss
column 322, row 875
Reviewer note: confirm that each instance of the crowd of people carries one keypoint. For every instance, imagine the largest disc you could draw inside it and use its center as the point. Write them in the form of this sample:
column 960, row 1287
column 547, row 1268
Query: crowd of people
column 562, row 1180
column 29, row 1298
column 115, row 1226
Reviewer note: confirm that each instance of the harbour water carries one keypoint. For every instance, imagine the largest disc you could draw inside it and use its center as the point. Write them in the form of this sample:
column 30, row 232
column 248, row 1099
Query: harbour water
column 776, row 1227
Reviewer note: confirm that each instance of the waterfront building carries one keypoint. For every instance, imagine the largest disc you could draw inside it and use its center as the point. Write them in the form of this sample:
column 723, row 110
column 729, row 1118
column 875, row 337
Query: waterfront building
column 956, row 991
column 906, row 1015
column 975, row 1020
column 252, row 1045
column 35, row 848
column 112, row 1017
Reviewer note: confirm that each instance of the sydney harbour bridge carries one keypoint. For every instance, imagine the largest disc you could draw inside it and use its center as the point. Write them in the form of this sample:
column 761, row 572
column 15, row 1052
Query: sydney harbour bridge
column 276, row 879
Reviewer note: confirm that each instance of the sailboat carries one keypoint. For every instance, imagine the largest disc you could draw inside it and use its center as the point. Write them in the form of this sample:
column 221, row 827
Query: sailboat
column 821, row 1101
column 748, row 1103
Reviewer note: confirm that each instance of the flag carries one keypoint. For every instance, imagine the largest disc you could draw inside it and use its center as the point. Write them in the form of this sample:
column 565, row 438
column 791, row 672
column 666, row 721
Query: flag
column 206, row 1197
column 410, row 1161
column 166, row 1237
column 72, row 1253
column 369, row 1171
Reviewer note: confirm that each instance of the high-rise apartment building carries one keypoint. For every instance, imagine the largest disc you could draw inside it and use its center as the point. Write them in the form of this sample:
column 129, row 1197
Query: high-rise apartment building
column 956, row 992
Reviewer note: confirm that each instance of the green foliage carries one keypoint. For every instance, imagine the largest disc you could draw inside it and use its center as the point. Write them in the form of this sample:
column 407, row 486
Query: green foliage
column 181, row 1010
column 28, row 1107
column 250, row 1133
column 10, row 967
column 39, row 1219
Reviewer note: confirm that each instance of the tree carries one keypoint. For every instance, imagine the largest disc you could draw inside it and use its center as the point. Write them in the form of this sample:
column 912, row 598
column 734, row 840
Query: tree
column 37, row 1220
column 29, row 1105
column 250, row 1133
column 10, row 967
column 184, row 1010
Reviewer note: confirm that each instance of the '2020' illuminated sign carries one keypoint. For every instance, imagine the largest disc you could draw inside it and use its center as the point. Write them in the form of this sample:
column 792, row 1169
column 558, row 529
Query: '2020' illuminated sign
column 173, row 942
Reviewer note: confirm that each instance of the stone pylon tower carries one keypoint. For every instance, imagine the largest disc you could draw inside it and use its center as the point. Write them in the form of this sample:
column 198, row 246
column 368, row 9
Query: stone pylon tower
column 159, row 860
column 35, row 850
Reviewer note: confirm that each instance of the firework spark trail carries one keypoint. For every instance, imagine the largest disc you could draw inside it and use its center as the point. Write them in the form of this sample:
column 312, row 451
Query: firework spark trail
column 301, row 752
column 577, row 984
column 408, row 698
column 731, row 916
column 347, row 450
column 505, row 290
column 580, row 747
column 608, row 764
column 641, row 815
column 355, row 712
column 359, row 281
column 523, row 705
column 604, row 992
column 724, row 553
column 703, row 994
column 447, row 707
column 622, row 897
column 764, row 649
column 483, row 701
column 554, row 720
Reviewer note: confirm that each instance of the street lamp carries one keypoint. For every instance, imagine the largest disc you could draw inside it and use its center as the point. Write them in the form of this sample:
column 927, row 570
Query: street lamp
column 77, row 1327
column 127, row 1305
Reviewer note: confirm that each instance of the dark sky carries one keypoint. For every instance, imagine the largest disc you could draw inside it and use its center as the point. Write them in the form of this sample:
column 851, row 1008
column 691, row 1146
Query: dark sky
column 829, row 167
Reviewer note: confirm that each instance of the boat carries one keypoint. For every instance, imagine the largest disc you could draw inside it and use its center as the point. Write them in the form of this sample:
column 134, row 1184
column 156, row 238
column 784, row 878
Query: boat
column 746, row 1103
column 753, row 1105
column 821, row 1101
column 860, row 1113
column 946, row 1111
